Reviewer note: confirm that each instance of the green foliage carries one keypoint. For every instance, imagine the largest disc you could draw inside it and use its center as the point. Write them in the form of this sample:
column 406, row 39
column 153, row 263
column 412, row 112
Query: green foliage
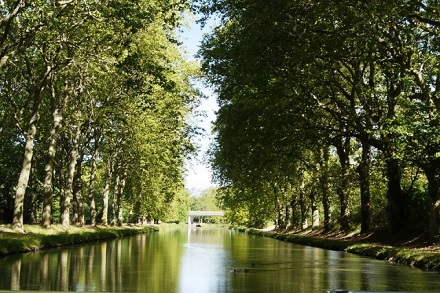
column 111, row 71
column 300, row 78
column 207, row 201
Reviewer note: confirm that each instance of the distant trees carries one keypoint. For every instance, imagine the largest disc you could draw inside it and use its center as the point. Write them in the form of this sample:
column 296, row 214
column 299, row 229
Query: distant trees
column 93, row 105
column 327, row 108
column 206, row 201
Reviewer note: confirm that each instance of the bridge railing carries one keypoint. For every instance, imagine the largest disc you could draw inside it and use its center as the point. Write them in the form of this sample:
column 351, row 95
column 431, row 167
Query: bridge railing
column 199, row 214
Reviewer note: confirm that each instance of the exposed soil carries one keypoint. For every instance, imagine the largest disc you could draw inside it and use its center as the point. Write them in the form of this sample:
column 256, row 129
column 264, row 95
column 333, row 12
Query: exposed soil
column 401, row 240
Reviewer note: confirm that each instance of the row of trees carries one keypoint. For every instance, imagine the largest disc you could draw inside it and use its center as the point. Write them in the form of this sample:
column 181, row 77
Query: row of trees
column 94, row 97
column 327, row 107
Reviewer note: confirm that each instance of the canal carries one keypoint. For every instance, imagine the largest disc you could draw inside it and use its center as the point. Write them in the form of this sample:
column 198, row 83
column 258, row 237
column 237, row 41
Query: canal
column 205, row 260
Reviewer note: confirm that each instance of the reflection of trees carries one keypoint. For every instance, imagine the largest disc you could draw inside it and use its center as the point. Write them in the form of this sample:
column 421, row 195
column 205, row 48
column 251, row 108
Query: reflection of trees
column 15, row 275
column 141, row 263
column 365, row 276
column 76, row 269
column 103, row 258
column 152, row 263
column 118, row 268
column 111, row 269
column 63, row 270
column 44, row 272
column 317, row 256
column 163, row 261
column 130, row 264
column 89, row 269
column 333, row 275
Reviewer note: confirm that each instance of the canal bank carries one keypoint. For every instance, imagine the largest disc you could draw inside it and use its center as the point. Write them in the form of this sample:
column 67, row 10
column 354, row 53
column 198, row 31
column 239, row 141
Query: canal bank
column 37, row 238
column 414, row 253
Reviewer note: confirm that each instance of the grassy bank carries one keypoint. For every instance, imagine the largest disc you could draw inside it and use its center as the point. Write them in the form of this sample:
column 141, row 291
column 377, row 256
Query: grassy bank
column 37, row 238
column 422, row 256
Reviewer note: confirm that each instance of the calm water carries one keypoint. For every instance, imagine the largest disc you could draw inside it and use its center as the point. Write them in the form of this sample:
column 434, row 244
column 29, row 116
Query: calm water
column 203, row 260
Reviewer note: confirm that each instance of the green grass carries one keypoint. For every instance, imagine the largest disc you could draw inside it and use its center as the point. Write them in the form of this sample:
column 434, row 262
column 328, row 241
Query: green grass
column 37, row 238
column 419, row 258
column 413, row 257
column 332, row 244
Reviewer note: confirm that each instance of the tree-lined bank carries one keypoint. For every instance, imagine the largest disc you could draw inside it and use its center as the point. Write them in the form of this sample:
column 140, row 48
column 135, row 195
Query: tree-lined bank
column 38, row 238
column 402, row 252
column 94, row 99
column 329, row 113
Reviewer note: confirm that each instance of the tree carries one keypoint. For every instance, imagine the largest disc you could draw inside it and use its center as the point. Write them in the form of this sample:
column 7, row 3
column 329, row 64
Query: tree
column 107, row 88
column 351, row 73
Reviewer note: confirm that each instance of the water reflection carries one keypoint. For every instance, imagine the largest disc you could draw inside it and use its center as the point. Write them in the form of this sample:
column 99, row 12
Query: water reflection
column 204, row 265
column 203, row 260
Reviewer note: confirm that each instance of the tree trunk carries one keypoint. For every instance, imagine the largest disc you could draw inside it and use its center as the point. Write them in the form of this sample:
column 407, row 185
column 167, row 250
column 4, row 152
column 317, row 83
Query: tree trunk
column 49, row 169
column 77, row 194
column 293, row 208
column 281, row 219
column 432, row 171
column 288, row 215
column 303, row 207
column 33, row 215
column 433, row 190
column 364, row 184
column 65, row 218
column 92, row 186
column 325, row 189
column 343, row 202
column 23, row 180
column 106, row 194
column 119, row 201
column 434, row 221
column 397, row 201
column 62, row 184
column 115, row 200
column 315, row 210
column 343, row 150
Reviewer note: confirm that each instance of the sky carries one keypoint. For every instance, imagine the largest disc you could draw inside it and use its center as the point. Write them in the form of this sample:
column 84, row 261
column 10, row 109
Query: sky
column 198, row 177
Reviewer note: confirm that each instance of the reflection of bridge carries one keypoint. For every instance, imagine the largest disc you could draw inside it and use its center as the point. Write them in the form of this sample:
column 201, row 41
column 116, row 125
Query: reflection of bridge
column 193, row 214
